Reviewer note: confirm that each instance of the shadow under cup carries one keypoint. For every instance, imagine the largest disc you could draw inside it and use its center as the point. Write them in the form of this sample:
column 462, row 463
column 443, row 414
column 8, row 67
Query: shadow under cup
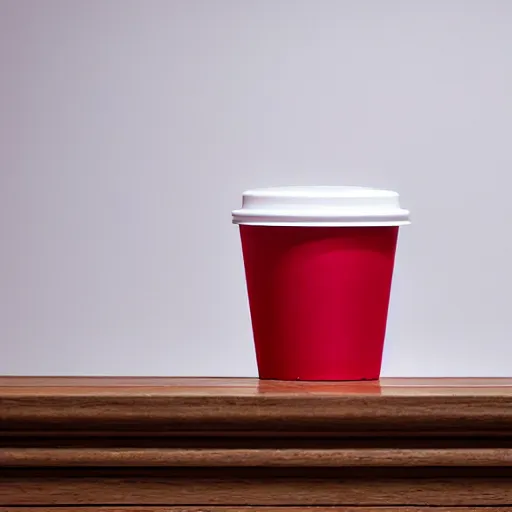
column 319, row 299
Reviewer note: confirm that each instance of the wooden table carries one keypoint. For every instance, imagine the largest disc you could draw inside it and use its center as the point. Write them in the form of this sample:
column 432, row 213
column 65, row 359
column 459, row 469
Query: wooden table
column 226, row 445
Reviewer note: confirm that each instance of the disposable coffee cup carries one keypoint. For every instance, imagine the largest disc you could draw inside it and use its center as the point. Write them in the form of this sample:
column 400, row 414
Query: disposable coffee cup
column 319, row 265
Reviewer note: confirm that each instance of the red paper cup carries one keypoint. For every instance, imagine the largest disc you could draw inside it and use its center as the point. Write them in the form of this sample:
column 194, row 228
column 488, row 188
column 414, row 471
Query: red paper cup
column 318, row 290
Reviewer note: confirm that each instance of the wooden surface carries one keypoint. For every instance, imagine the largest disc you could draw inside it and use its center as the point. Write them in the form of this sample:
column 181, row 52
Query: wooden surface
column 155, row 444
column 265, row 492
column 182, row 405
column 253, row 509
column 261, row 488
column 254, row 457
column 237, row 386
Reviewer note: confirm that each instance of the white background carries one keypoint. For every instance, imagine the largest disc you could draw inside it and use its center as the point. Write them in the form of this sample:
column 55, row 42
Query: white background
column 129, row 129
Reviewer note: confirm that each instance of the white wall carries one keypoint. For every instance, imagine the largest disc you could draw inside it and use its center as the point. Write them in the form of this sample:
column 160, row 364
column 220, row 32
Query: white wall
column 129, row 128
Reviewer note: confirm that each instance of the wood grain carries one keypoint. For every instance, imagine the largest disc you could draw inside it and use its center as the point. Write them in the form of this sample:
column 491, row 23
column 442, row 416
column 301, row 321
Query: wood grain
column 248, row 405
column 253, row 509
column 214, row 385
column 180, row 445
column 204, row 457
column 284, row 491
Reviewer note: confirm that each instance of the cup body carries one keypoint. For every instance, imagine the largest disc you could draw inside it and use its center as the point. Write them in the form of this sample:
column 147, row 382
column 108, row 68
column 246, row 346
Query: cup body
column 319, row 299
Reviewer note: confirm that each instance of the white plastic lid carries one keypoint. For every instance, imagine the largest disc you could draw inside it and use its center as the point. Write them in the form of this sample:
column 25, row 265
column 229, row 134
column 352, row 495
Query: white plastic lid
column 321, row 206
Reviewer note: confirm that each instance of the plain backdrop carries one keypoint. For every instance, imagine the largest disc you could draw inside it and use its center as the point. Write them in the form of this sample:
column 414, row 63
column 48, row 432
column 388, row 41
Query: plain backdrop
column 129, row 129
